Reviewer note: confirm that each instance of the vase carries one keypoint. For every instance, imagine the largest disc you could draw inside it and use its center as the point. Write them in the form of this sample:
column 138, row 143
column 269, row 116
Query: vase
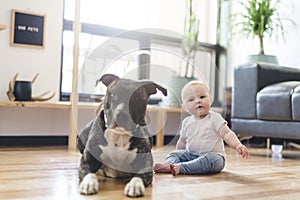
column 262, row 58
column 22, row 90
column 174, row 91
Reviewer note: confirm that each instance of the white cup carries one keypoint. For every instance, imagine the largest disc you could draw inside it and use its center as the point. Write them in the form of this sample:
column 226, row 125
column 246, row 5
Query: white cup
column 276, row 148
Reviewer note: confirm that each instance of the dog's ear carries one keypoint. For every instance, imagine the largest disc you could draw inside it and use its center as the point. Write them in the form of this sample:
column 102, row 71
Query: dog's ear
column 107, row 79
column 151, row 87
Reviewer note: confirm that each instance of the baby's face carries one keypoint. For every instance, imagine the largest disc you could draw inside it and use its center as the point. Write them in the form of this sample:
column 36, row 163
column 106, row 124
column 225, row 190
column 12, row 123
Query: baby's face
column 196, row 100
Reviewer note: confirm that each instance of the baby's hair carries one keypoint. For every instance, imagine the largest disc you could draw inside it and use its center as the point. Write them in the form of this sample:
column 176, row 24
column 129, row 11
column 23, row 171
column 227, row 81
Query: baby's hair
column 191, row 83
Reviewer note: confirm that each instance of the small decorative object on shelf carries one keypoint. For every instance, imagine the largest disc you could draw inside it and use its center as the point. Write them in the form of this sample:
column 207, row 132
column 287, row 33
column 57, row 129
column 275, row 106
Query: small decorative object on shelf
column 21, row 91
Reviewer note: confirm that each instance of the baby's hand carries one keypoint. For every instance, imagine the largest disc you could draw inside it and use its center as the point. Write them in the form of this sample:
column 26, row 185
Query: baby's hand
column 241, row 149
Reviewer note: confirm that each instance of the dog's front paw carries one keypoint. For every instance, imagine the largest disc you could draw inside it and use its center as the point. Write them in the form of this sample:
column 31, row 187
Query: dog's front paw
column 89, row 184
column 135, row 187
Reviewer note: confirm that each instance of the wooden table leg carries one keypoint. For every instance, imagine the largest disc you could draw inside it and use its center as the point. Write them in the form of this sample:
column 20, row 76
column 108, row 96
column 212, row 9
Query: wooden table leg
column 160, row 124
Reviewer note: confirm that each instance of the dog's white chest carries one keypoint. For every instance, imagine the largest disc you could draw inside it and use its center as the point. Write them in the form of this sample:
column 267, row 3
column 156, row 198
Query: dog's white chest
column 116, row 154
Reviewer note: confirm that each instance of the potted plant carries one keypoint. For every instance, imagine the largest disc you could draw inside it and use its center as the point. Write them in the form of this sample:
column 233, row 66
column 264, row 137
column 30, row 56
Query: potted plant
column 189, row 41
column 189, row 46
column 259, row 18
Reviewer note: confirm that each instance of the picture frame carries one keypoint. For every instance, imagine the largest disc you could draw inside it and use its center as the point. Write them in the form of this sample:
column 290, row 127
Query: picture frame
column 27, row 29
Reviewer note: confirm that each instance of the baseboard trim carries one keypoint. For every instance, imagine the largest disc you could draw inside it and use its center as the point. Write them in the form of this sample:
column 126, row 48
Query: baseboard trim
column 20, row 141
column 33, row 141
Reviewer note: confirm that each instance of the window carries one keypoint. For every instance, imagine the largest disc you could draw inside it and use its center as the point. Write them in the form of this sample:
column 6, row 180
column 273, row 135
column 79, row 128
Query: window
column 113, row 39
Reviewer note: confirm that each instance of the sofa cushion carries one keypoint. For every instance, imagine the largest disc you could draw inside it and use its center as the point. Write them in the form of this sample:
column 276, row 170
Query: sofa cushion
column 274, row 101
column 296, row 104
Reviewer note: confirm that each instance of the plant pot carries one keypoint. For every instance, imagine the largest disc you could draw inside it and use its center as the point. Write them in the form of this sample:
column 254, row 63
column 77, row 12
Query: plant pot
column 174, row 91
column 22, row 90
column 262, row 58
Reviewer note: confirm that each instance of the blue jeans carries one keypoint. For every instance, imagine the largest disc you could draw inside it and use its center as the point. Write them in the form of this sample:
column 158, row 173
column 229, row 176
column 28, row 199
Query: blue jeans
column 208, row 163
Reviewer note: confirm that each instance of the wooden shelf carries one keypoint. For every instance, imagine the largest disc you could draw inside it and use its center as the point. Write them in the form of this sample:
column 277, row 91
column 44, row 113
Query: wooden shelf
column 160, row 112
column 34, row 104
column 167, row 109
column 67, row 105
column 2, row 27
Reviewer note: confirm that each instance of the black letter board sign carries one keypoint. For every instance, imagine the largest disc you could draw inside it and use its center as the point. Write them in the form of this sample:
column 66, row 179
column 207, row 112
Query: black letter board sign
column 27, row 29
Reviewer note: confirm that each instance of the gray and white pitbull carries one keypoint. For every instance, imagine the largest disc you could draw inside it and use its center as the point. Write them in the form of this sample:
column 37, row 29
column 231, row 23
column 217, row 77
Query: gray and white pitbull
column 117, row 142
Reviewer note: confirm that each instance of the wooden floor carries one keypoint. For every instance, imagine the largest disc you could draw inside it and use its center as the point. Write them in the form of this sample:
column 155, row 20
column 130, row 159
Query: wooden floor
column 51, row 173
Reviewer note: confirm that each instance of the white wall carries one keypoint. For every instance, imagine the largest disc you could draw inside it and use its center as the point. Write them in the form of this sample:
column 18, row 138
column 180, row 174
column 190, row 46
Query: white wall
column 29, row 61
column 287, row 52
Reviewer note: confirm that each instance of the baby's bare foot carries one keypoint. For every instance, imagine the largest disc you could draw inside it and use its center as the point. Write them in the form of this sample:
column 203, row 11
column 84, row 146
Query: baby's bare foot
column 175, row 169
column 162, row 168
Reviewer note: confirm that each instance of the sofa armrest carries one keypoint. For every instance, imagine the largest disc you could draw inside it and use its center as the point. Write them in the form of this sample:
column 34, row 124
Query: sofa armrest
column 249, row 79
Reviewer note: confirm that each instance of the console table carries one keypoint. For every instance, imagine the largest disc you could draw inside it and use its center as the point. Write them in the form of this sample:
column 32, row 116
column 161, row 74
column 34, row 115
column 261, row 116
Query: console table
column 160, row 114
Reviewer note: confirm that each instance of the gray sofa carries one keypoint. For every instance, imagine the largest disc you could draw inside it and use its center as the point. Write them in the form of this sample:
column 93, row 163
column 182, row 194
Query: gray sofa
column 266, row 101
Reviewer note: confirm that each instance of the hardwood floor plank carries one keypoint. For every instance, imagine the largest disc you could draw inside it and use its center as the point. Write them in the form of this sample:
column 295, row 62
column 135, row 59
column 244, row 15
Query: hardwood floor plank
column 52, row 173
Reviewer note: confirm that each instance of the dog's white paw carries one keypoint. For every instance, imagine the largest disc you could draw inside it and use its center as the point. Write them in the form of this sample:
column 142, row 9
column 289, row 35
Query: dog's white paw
column 89, row 184
column 135, row 187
